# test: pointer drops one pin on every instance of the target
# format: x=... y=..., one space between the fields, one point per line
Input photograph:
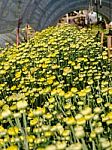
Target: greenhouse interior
x=55 y=74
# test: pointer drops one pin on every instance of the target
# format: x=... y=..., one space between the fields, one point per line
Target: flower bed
x=56 y=93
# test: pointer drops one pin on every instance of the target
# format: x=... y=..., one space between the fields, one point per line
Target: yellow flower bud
x=74 y=89
x=14 y=147
x=88 y=117
x=109 y=115
x=2 y=131
x=13 y=131
x=81 y=121
x=70 y=120
x=66 y=133
x=110 y=91
x=34 y=121
x=93 y=134
x=99 y=100
x=48 y=116
x=30 y=138
x=109 y=122
x=1 y=103
x=18 y=74
x=48 y=133
x=67 y=106
x=51 y=100
x=82 y=93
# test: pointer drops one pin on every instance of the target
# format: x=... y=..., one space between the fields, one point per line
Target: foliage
x=56 y=93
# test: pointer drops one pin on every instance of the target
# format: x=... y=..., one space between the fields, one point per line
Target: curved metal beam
x=41 y=13
x=56 y=9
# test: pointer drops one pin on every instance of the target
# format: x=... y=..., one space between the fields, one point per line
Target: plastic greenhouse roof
x=40 y=14
x=10 y=11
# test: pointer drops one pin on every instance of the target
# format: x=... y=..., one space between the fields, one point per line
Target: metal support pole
x=67 y=18
x=96 y=4
x=102 y=38
x=109 y=43
x=18 y=32
x=27 y=32
x=110 y=9
x=17 y=37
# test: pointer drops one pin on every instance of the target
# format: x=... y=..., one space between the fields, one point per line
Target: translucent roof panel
x=11 y=11
x=42 y=13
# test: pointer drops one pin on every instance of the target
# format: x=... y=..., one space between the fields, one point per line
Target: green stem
x=10 y=121
x=72 y=130
x=84 y=144
x=19 y=125
x=60 y=107
x=93 y=145
x=24 y=121
x=25 y=128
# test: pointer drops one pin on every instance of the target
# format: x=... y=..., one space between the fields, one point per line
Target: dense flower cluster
x=56 y=93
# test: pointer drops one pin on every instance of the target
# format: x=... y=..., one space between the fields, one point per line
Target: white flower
x=76 y=146
x=50 y=147
x=60 y=128
x=96 y=117
x=99 y=130
x=105 y=143
x=45 y=128
x=17 y=115
x=60 y=145
x=6 y=113
x=78 y=116
x=22 y=104
x=79 y=132
x=86 y=111
x=97 y=110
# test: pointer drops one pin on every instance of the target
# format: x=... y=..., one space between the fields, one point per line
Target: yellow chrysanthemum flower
x=14 y=147
x=18 y=75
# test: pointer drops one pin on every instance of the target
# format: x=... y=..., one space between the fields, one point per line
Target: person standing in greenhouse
x=92 y=17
